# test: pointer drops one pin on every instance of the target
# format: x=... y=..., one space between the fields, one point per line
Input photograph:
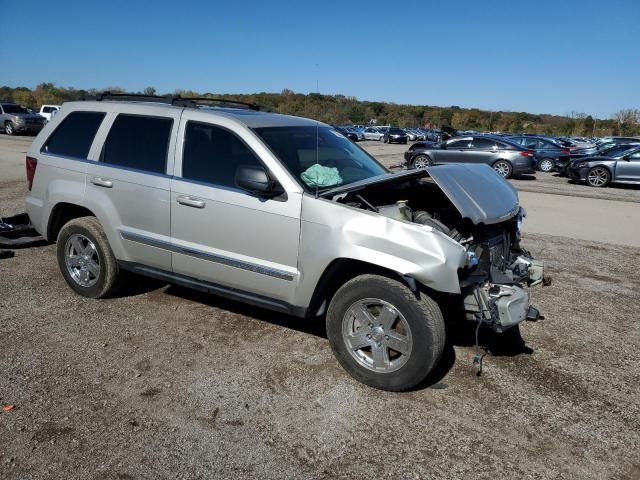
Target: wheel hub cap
x=82 y=260
x=377 y=335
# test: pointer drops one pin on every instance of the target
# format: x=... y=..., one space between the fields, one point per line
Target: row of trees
x=340 y=109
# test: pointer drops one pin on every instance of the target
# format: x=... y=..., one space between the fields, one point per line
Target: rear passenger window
x=74 y=136
x=138 y=142
x=212 y=154
x=459 y=143
x=483 y=143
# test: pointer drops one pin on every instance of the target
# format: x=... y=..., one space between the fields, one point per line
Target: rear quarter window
x=74 y=136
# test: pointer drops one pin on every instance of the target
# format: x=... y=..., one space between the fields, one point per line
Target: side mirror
x=256 y=181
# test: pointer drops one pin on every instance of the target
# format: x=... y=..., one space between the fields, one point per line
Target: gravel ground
x=166 y=383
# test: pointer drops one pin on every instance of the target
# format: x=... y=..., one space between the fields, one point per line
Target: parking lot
x=163 y=382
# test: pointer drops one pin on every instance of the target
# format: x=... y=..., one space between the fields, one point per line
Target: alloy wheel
x=82 y=260
x=598 y=177
x=546 y=165
x=377 y=335
x=421 y=162
x=503 y=168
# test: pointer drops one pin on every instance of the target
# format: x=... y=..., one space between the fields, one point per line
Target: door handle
x=191 y=201
x=102 y=182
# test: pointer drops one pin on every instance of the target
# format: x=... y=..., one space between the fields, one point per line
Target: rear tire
x=383 y=334
x=86 y=260
x=9 y=129
x=504 y=168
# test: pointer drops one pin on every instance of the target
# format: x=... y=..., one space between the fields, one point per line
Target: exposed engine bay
x=497 y=266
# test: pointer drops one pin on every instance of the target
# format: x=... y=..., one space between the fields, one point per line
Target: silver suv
x=284 y=213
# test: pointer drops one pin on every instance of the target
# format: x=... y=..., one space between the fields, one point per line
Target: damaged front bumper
x=504 y=304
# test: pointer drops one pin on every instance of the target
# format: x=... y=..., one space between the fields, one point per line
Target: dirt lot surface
x=163 y=382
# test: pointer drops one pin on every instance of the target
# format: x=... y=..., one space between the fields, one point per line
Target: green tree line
x=340 y=109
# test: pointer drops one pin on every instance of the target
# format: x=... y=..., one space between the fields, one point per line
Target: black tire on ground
x=598 y=177
x=110 y=277
x=405 y=141
x=419 y=159
x=504 y=168
x=9 y=129
x=422 y=315
x=546 y=165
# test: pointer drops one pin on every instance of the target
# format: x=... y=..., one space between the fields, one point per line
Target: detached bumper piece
x=17 y=232
x=500 y=306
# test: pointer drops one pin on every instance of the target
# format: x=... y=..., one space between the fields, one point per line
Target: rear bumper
x=520 y=169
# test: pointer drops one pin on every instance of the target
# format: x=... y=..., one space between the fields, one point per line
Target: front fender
x=332 y=231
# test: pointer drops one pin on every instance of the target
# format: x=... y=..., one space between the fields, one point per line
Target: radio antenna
x=317 y=128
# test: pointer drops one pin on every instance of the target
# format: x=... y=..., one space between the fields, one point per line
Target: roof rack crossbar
x=169 y=99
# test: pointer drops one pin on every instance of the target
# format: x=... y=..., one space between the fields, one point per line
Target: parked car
x=394 y=135
x=359 y=132
x=283 y=213
x=15 y=119
x=372 y=133
x=47 y=111
x=347 y=133
x=411 y=136
x=621 y=165
x=549 y=154
x=505 y=157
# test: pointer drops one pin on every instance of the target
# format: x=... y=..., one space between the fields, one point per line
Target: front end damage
x=492 y=286
x=476 y=208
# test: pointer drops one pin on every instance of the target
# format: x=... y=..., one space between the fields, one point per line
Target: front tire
x=504 y=168
x=86 y=260
x=9 y=129
x=598 y=177
x=383 y=334
x=421 y=161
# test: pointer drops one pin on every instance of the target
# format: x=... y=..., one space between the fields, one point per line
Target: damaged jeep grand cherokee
x=284 y=213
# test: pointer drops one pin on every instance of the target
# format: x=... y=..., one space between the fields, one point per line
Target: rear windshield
x=320 y=158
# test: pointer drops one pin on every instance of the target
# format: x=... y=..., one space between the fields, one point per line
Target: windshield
x=321 y=157
x=617 y=150
x=14 y=109
x=395 y=130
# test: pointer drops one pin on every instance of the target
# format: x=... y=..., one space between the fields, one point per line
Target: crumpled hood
x=477 y=191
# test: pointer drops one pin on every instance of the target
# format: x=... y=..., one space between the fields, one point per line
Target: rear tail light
x=566 y=151
x=32 y=163
x=526 y=153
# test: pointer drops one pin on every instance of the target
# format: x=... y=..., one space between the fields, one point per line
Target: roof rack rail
x=169 y=99
x=196 y=100
x=129 y=97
